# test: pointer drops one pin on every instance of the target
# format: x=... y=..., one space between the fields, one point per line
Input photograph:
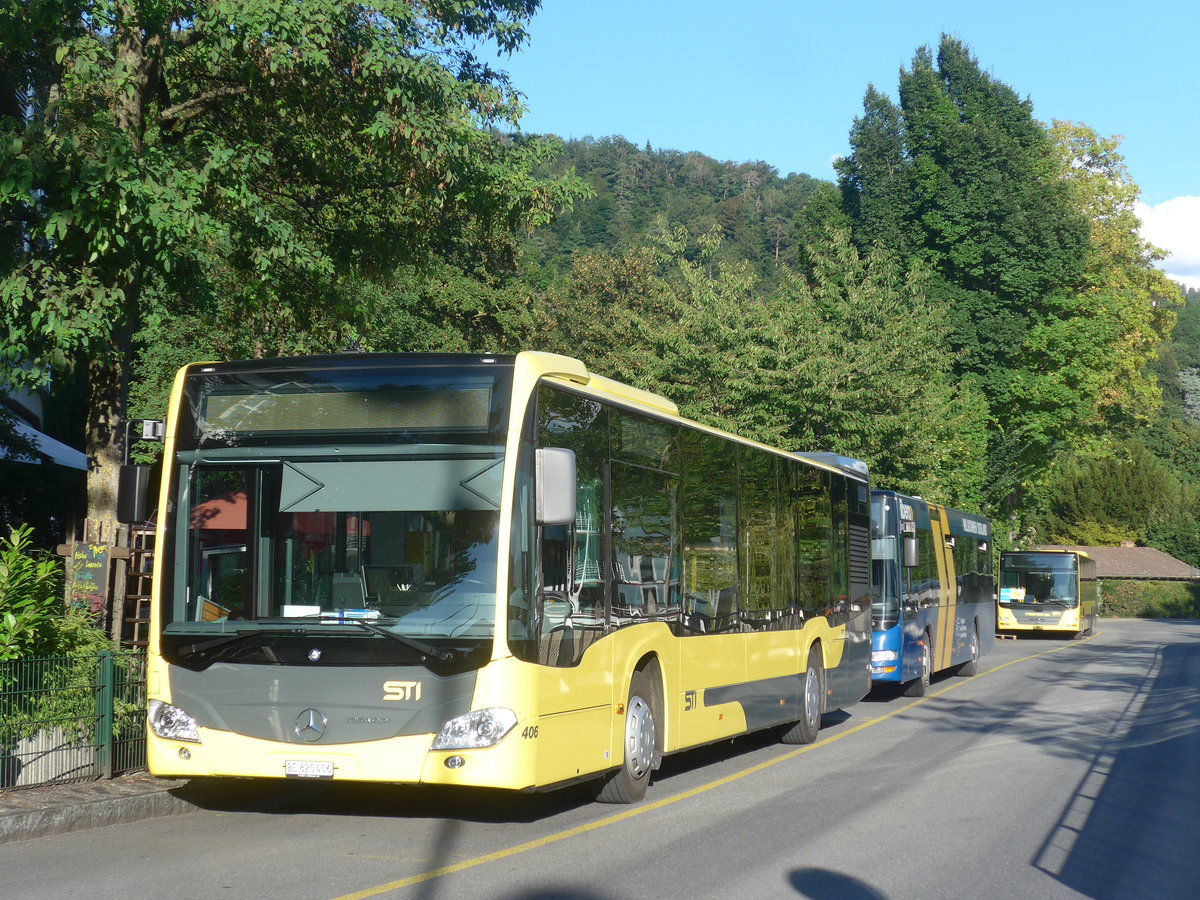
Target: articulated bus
x=932 y=592
x=498 y=571
x=1047 y=590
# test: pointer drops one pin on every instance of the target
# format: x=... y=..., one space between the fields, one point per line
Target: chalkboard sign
x=89 y=577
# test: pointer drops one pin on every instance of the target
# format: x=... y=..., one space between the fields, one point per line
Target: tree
x=1128 y=494
x=962 y=177
x=1186 y=334
x=850 y=359
x=872 y=375
x=1123 y=304
x=250 y=160
x=604 y=311
x=876 y=179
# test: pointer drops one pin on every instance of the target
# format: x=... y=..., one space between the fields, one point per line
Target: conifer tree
x=961 y=177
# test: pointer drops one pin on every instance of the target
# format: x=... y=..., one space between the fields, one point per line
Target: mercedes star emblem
x=310 y=725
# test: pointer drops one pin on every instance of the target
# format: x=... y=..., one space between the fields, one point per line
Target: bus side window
x=814 y=531
x=572 y=596
x=708 y=513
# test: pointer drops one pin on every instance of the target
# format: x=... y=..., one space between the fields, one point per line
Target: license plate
x=308 y=768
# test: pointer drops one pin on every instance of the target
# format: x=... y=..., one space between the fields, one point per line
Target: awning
x=48 y=449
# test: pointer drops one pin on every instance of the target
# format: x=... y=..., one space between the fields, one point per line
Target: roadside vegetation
x=33 y=618
x=1152 y=599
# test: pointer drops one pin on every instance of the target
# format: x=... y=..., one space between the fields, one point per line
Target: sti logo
x=402 y=690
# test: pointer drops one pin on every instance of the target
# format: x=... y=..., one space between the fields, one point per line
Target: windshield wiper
x=230 y=639
x=245 y=635
x=412 y=643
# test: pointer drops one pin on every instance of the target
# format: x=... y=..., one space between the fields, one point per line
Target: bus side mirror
x=134 y=481
x=555 y=486
x=912 y=551
x=133 y=494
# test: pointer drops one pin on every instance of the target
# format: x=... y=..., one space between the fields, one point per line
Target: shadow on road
x=291 y=797
x=1129 y=829
x=823 y=884
x=1077 y=733
x=380 y=800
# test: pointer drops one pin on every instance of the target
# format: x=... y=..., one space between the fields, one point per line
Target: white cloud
x=1174 y=225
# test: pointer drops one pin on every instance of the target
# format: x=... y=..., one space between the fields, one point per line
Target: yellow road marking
x=685 y=795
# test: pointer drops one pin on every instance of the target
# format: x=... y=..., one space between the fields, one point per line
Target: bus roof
x=847 y=464
x=961 y=523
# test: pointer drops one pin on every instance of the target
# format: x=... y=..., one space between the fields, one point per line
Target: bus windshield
x=1039 y=578
x=337 y=499
x=885 y=565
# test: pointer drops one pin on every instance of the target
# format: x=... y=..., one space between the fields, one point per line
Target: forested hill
x=757 y=211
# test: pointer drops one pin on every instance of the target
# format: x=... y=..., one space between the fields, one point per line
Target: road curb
x=34 y=823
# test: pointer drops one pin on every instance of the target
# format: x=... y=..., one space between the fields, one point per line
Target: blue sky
x=782 y=80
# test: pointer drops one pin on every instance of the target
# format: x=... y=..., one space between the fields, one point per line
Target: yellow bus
x=1047 y=590
x=498 y=571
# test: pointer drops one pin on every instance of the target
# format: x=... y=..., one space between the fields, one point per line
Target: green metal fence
x=72 y=718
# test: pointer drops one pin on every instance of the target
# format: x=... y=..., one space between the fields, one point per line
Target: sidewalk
x=58 y=808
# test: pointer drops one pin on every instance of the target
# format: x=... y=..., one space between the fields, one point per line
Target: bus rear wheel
x=628 y=783
x=919 y=685
x=812 y=693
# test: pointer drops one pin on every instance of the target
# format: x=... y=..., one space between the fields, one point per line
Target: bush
x=34 y=620
x=1151 y=599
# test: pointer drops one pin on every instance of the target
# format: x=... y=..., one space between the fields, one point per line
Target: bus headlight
x=474 y=730
x=882 y=656
x=172 y=723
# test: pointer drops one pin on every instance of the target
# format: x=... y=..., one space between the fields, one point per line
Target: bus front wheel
x=919 y=685
x=628 y=783
x=812 y=692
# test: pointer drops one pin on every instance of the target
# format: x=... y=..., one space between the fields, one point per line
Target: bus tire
x=628 y=783
x=812 y=695
x=920 y=685
x=971 y=666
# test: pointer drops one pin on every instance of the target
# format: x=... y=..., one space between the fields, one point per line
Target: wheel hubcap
x=639 y=737
x=812 y=696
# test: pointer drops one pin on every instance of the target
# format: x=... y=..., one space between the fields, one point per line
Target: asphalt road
x=1064 y=769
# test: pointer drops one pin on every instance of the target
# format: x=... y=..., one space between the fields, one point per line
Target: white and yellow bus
x=500 y=571
x=1047 y=590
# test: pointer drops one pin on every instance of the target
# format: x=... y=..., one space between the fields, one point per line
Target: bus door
x=947 y=615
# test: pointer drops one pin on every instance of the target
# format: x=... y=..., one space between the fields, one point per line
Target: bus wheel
x=918 y=686
x=805 y=730
x=628 y=783
x=971 y=666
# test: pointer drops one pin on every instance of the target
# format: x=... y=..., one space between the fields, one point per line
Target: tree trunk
x=108 y=370
x=108 y=390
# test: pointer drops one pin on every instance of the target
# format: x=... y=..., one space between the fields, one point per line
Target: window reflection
x=433 y=569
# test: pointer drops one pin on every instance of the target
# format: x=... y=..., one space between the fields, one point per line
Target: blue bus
x=933 y=591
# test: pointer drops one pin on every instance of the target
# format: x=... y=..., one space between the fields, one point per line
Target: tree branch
x=195 y=106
